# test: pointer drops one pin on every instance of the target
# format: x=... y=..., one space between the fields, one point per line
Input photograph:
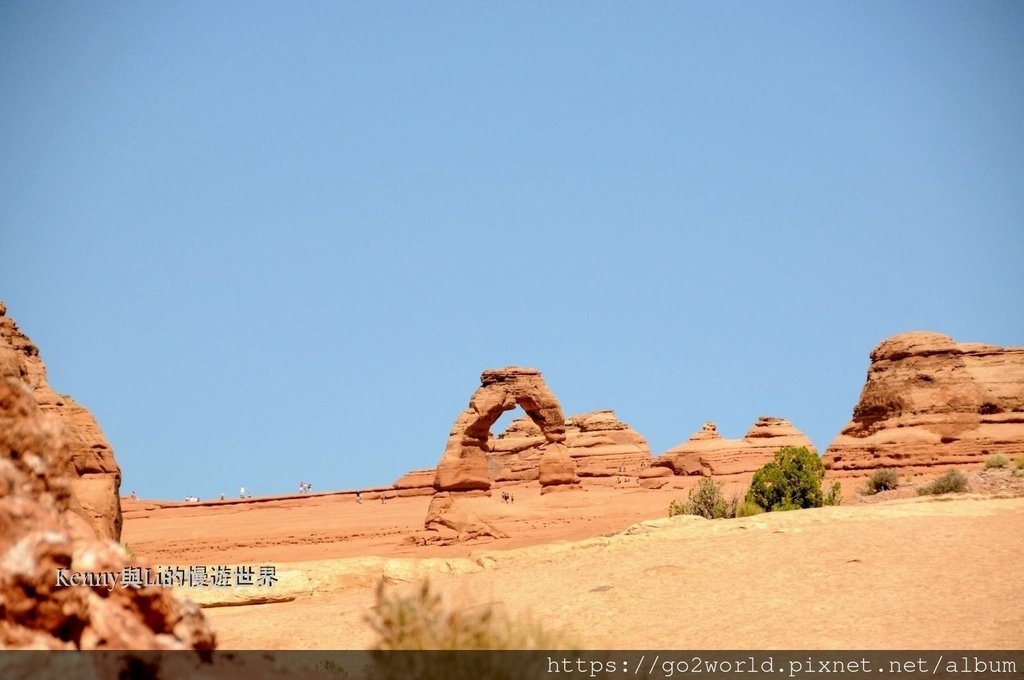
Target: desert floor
x=605 y=568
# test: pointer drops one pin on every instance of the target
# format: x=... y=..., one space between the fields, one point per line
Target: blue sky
x=273 y=242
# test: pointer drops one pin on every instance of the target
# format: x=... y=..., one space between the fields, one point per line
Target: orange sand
x=916 y=573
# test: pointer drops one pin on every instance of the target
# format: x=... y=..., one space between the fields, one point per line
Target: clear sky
x=273 y=242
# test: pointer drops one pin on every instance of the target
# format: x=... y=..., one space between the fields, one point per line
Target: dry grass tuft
x=422 y=620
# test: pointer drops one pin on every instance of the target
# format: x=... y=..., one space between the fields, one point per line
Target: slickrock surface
x=464 y=466
x=41 y=534
x=579 y=564
x=930 y=402
x=97 y=477
x=707 y=453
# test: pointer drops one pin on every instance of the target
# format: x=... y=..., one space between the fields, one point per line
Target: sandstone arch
x=463 y=466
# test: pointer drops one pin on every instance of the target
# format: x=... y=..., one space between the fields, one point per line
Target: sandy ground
x=605 y=568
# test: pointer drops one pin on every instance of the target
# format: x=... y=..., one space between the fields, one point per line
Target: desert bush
x=748 y=509
x=791 y=481
x=953 y=481
x=834 y=495
x=882 y=480
x=421 y=620
x=996 y=460
x=1020 y=463
x=705 y=500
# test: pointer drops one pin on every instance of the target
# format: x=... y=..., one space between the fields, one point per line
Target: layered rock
x=599 y=443
x=930 y=401
x=449 y=522
x=97 y=476
x=654 y=477
x=40 y=534
x=464 y=464
x=707 y=453
x=415 y=483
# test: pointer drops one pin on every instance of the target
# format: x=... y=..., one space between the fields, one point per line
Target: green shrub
x=791 y=481
x=952 y=481
x=1020 y=463
x=834 y=495
x=996 y=460
x=748 y=509
x=882 y=480
x=705 y=500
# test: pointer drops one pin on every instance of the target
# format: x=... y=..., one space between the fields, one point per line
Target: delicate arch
x=463 y=466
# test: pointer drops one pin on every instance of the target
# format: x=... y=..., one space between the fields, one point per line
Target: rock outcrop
x=97 y=477
x=599 y=443
x=464 y=464
x=930 y=401
x=449 y=522
x=707 y=453
x=415 y=483
x=40 y=534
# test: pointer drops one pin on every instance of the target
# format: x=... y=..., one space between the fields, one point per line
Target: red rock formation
x=447 y=522
x=654 y=477
x=930 y=401
x=464 y=465
x=41 y=534
x=706 y=453
x=599 y=443
x=97 y=476
x=415 y=483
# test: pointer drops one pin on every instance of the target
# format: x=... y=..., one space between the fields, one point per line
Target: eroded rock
x=930 y=401
x=449 y=522
x=41 y=533
x=707 y=453
x=96 y=477
x=464 y=464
